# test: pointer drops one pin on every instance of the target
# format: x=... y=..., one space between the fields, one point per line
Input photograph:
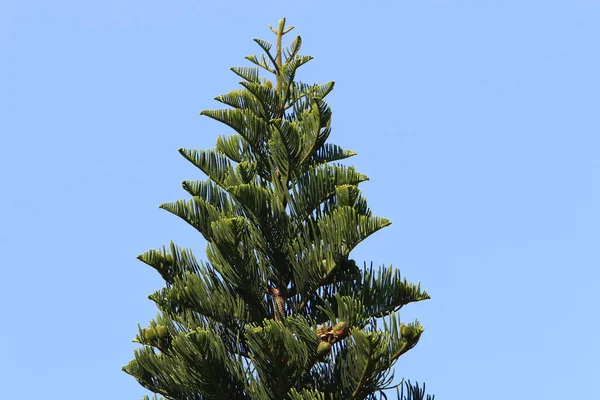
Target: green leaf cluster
x=278 y=310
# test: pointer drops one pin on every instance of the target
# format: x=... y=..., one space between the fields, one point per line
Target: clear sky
x=477 y=121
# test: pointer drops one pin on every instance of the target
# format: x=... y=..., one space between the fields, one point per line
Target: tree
x=279 y=310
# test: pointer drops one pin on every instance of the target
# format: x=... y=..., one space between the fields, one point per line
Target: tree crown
x=279 y=310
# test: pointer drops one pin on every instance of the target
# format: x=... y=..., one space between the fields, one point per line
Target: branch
x=364 y=376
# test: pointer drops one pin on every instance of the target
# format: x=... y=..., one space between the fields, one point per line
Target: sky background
x=477 y=121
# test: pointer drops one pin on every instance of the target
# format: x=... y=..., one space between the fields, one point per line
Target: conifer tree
x=279 y=310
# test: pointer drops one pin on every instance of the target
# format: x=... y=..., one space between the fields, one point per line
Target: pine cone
x=162 y=332
x=323 y=349
x=321 y=332
x=340 y=330
x=407 y=332
x=150 y=334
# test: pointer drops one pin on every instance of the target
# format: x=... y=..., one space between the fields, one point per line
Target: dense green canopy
x=278 y=310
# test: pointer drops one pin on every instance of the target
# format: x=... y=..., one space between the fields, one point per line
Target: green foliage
x=413 y=392
x=279 y=310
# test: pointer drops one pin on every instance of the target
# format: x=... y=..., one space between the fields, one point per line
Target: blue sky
x=477 y=122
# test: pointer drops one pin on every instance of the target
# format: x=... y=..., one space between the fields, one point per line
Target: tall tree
x=279 y=310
